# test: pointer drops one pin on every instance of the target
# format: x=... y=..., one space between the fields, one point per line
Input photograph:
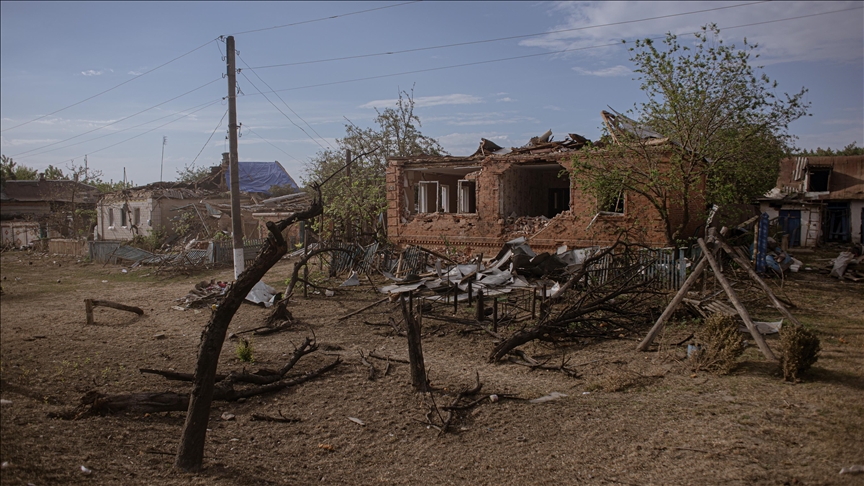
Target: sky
x=114 y=80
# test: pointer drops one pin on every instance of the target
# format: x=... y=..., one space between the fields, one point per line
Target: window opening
x=819 y=180
x=123 y=218
x=614 y=204
x=445 y=198
x=428 y=196
x=110 y=216
x=136 y=218
x=467 y=196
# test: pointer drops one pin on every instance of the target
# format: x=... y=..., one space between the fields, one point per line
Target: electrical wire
x=324 y=18
x=148 y=131
x=273 y=145
x=498 y=39
x=551 y=53
x=109 y=89
x=209 y=138
x=280 y=111
x=117 y=121
x=124 y=130
x=283 y=102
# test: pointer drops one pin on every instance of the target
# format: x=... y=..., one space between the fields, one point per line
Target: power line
x=210 y=138
x=498 y=39
x=271 y=143
x=148 y=131
x=118 y=121
x=325 y=18
x=279 y=110
x=490 y=61
x=283 y=102
x=123 y=130
x=109 y=89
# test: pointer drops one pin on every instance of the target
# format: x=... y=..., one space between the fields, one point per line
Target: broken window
x=110 y=216
x=467 y=196
x=123 y=217
x=439 y=189
x=613 y=204
x=136 y=216
x=539 y=189
x=818 y=180
x=427 y=196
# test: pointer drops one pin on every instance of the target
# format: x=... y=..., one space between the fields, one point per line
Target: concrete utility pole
x=236 y=218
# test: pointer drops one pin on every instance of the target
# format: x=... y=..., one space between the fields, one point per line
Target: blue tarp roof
x=260 y=176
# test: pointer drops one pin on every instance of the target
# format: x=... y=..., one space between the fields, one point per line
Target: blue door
x=790 y=221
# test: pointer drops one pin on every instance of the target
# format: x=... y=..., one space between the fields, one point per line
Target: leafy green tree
x=355 y=199
x=56 y=174
x=851 y=149
x=192 y=173
x=726 y=131
x=9 y=170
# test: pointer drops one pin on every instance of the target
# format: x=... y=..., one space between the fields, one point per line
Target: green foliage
x=799 y=350
x=851 y=149
x=359 y=198
x=721 y=345
x=152 y=241
x=283 y=190
x=182 y=223
x=11 y=171
x=726 y=127
x=244 y=351
x=56 y=174
x=192 y=173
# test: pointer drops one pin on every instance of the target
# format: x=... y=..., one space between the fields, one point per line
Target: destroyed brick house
x=205 y=204
x=496 y=194
x=818 y=200
x=38 y=209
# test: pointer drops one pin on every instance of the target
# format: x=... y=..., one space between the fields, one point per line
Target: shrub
x=799 y=350
x=244 y=351
x=721 y=345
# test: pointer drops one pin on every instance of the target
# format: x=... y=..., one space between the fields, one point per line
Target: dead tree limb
x=415 y=350
x=90 y=304
x=190 y=452
x=368 y=365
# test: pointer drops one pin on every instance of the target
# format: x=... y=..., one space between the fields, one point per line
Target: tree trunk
x=190 y=452
x=415 y=350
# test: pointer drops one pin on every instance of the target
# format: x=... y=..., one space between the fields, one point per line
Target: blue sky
x=54 y=54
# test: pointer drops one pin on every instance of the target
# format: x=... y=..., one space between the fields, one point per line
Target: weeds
x=244 y=351
x=720 y=345
x=799 y=350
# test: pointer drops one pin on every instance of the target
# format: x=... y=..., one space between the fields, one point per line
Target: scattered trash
x=352 y=281
x=521 y=438
x=856 y=469
x=357 y=421
x=764 y=327
x=160 y=335
x=124 y=271
x=3 y=401
x=329 y=293
x=177 y=307
x=326 y=447
x=4 y=465
x=227 y=416
x=104 y=281
x=548 y=398
x=261 y=293
x=86 y=470
x=493 y=398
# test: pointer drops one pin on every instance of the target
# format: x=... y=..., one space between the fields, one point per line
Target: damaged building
x=497 y=194
x=818 y=200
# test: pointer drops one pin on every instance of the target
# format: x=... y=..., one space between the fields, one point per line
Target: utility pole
x=236 y=218
x=162 y=163
x=349 y=230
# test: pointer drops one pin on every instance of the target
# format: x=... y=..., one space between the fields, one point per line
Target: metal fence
x=665 y=267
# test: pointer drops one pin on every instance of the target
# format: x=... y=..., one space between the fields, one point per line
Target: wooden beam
x=742 y=311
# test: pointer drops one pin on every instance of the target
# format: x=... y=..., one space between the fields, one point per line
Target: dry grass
x=799 y=350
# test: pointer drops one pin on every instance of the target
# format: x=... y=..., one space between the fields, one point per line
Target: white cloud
x=618 y=70
x=553 y=108
x=91 y=72
x=17 y=142
x=506 y=99
x=424 y=101
x=135 y=73
x=836 y=36
x=478 y=119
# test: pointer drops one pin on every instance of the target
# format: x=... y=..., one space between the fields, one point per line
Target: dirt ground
x=628 y=418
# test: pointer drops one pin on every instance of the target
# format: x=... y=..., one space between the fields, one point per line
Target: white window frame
x=425 y=188
x=463 y=203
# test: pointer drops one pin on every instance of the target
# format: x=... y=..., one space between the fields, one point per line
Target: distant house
x=122 y=215
x=818 y=200
x=48 y=203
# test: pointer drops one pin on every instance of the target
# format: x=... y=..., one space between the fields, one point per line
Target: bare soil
x=628 y=418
